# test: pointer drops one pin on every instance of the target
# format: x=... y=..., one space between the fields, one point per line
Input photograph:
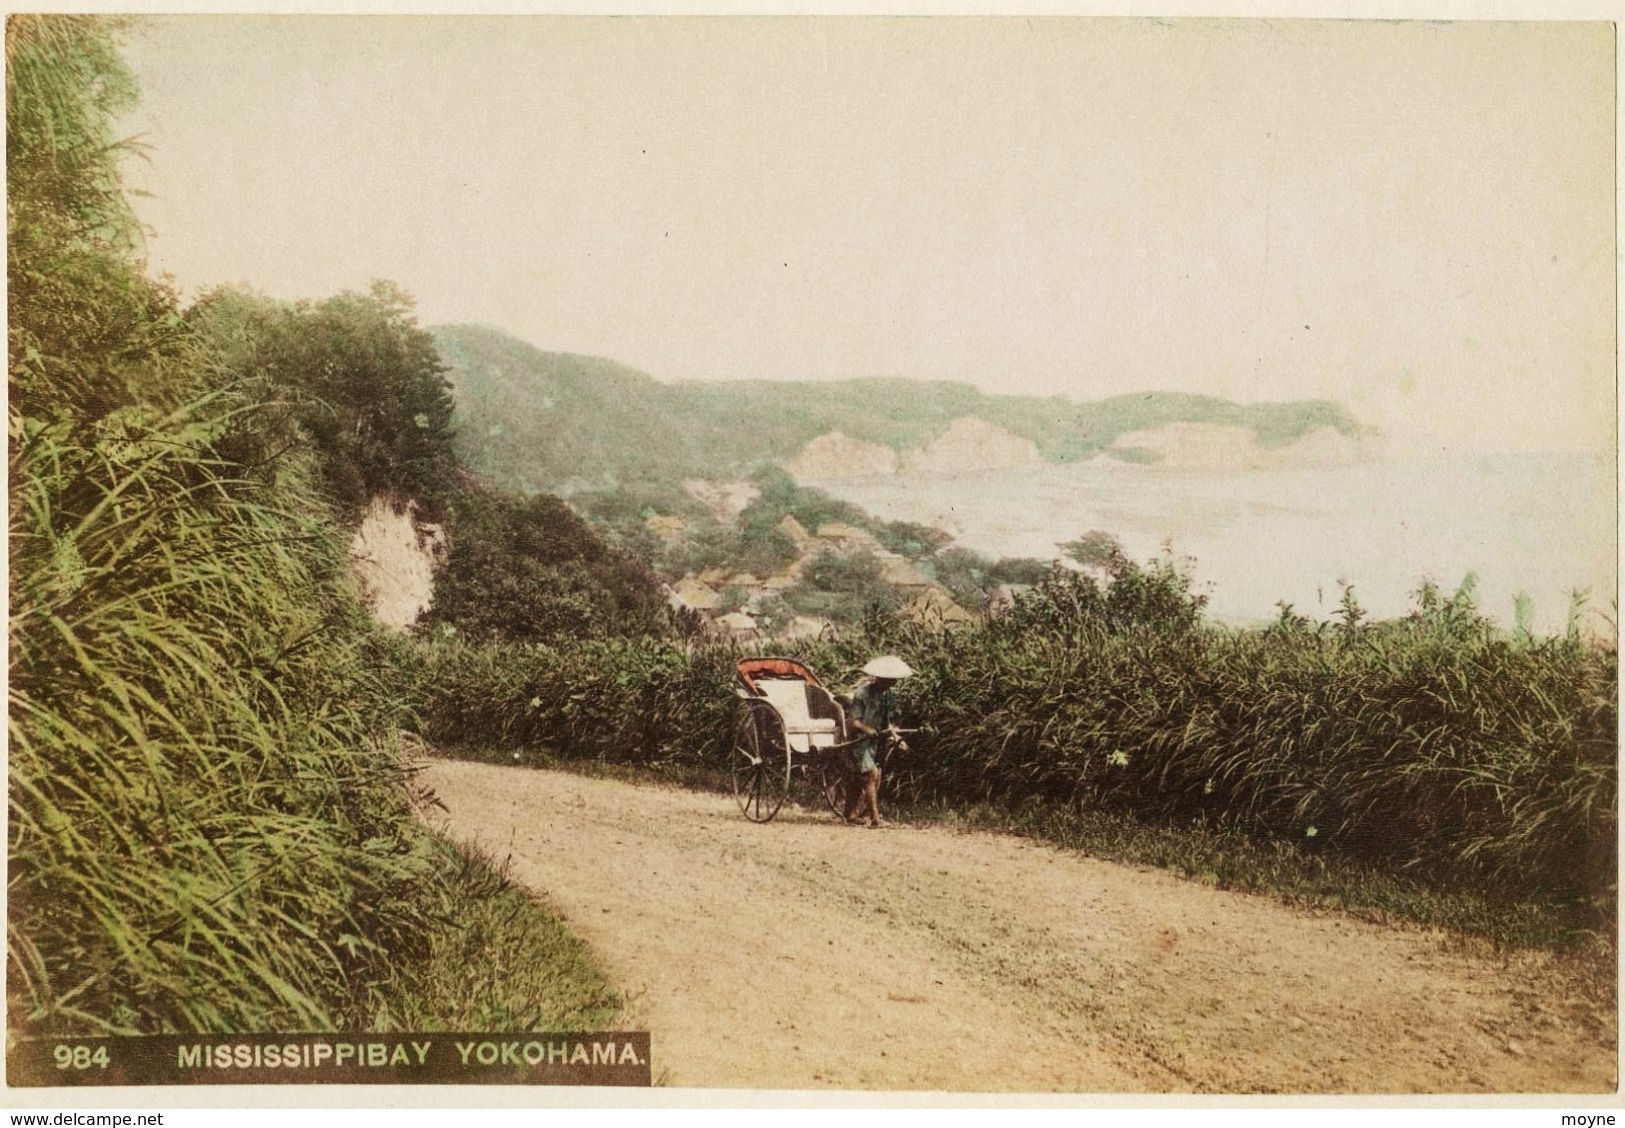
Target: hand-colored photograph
x=813 y=554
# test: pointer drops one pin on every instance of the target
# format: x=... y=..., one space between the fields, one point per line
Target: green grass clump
x=207 y=820
x=494 y=959
x=641 y=701
x=210 y=827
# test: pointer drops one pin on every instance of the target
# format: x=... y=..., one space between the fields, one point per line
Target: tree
x=1155 y=596
x=529 y=570
x=1018 y=570
x=1097 y=549
x=365 y=382
x=911 y=539
x=965 y=574
x=843 y=587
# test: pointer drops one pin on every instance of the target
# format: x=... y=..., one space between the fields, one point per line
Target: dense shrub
x=529 y=570
x=910 y=538
x=1130 y=598
x=611 y=701
x=1427 y=745
x=1489 y=759
x=843 y=587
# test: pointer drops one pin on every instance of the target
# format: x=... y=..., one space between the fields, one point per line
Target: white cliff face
x=835 y=455
x=968 y=444
x=395 y=557
x=1213 y=446
x=972 y=444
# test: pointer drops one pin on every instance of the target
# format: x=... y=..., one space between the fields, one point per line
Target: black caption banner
x=619 y=1058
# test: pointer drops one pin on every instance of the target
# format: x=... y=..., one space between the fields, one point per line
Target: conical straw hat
x=888 y=666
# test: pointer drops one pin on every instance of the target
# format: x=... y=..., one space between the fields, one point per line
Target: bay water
x=1540 y=526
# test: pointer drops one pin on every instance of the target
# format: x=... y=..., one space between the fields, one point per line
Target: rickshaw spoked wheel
x=761 y=765
x=835 y=780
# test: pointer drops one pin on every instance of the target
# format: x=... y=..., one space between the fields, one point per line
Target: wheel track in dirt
x=805 y=954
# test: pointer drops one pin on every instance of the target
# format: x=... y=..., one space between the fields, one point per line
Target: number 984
x=79 y=1057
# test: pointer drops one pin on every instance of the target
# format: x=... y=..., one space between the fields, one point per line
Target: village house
x=934 y=607
x=694 y=595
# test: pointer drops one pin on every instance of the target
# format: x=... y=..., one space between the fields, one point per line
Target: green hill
x=541 y=420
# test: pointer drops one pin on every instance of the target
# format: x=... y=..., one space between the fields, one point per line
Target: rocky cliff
x=834 y=455
x=968 y=444
x=395 y=556
x=971 y=444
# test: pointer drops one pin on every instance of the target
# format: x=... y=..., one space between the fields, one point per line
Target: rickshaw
x=790 y=728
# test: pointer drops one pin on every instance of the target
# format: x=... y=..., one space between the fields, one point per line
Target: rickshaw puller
x=871 y=715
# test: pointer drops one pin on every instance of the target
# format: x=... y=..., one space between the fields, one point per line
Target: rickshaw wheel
x=761 y=766
x=834 y=782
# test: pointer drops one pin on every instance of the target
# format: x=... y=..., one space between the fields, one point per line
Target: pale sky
x=1414 y=219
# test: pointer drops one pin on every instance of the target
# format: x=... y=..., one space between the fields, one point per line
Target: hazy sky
x=1414 y=219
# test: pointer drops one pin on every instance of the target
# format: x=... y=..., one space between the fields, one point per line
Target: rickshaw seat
x=789 y=697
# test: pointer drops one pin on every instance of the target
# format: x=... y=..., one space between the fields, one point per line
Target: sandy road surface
x=980 y=962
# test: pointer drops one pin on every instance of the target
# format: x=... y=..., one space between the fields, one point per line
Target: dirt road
x=805 y=954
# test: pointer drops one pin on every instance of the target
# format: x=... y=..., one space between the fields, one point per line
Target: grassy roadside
x=493 y=958
x=1227 y=859
x=1582 y=938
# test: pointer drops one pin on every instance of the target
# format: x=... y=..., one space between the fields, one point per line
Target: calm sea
x=1541 y=525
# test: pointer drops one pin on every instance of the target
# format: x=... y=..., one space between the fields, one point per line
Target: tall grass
x=209 y=828
x=490 y=959
x=1479 y=758
x=210 y=825
x=614 y=701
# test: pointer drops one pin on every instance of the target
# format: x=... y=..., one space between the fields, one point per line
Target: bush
x=1424 y=746
x=1023 y=570
x=1155 y=596
x=1489 y=760
x=529 y=570
x=910 y=539
x=610 y=701
x=363 y=381
x=965 y=574
x=843 y=587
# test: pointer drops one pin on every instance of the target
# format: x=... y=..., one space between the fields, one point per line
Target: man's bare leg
x=854 y=794
x=873 y=789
